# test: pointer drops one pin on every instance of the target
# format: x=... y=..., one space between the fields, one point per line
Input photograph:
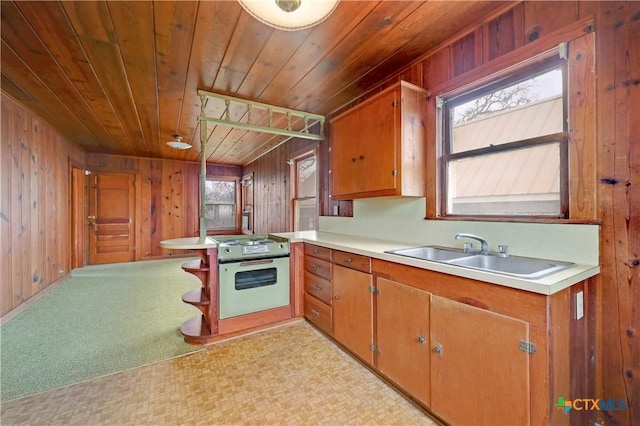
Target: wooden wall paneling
x=464 y=53
x=618 y=29
x=582 y=167
x=7 y=117
x=192 y=199
x=30 y=135
x=35 y=213
x=543 y=18
x=155 y=224
x=503 y=34
x=33 y=216
x=18 y=247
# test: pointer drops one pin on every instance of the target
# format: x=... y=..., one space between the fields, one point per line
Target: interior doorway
x=111 y=218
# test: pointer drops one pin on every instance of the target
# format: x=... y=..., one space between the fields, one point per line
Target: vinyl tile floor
x=288 y=375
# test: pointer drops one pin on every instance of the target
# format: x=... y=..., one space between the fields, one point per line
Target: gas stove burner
x=233 y=247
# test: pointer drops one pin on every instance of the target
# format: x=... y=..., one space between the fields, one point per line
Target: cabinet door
x=478 y=373
x=352 y=311
x=377 y=158
x=403 y=336
x=345 y=138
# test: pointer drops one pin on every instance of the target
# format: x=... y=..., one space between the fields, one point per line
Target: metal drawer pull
x=438 y=349
x=316 y=288
x=348 y=260
x=420 y=339
x=313 y=311
x=314 y=266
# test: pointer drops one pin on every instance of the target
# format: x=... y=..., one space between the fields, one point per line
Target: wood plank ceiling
x=121 y=77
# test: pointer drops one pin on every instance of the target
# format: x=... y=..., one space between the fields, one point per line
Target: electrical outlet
x=579 y=305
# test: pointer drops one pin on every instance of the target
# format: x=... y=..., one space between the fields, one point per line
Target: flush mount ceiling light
x=289 y=15
x=178 y=143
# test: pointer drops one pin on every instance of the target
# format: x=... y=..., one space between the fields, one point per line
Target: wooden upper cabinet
x=378 y=147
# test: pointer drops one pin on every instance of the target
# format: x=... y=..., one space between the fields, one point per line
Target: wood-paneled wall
x=271 y=186
x=34 y=205
x=170 y=197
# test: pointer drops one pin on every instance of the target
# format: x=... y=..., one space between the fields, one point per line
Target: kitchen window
x=221 y=204
x=304 y=191
x=505 y=146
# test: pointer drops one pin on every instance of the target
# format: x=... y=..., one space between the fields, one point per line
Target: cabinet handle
x=313 y=311
x=316 y=288
x=336 y=297
x=314 y=266
x=420 y=339
x=437 y=349
x=315 y=250
x=362 y=157
x=348 y=260
x=353 y=160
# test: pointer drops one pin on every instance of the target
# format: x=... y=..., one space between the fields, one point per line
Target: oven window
x=257 y=278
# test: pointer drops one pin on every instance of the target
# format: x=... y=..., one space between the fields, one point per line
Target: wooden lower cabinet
x=471 y=352
x=479 y=375
x=402 y=338
x=353 y=311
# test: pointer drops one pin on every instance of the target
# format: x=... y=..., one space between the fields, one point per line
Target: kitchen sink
x=434 y=253
x=521 y=267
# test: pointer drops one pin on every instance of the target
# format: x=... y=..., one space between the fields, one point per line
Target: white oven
x=252 y=277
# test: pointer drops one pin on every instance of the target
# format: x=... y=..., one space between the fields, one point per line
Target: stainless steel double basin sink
x=516 y=266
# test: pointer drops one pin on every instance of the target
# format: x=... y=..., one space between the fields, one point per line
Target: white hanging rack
x=281 y=121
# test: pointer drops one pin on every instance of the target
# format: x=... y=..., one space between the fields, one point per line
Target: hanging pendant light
x=177 y=143
x=289 y=15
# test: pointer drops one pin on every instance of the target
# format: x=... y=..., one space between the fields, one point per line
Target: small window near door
x=305 y=192
x=221 y=204
x=505 y=146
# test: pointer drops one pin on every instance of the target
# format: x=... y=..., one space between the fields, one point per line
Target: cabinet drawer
x=318 y=287
x=318 y=313
x=353 y=261
x=317 y=251
x=319 y=267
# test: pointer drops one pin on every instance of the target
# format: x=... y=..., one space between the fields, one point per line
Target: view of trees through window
x=503 y=145
x=220 y=204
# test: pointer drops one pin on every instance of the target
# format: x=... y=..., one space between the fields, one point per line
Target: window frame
x=519 y=73
x=293 y=160
x=236 y=229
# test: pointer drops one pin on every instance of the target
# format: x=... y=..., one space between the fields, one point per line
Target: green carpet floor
x=103 y=319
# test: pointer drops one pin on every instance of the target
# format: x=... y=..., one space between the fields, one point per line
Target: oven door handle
x=256 y=262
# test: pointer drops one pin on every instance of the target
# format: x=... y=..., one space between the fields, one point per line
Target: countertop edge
x=376 y=248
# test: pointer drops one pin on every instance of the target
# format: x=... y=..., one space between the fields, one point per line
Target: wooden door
x=479 y=375
x=353 y=311
x=111 y=217
x=402 y=336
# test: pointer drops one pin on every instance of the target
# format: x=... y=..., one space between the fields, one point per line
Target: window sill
x=513 y=219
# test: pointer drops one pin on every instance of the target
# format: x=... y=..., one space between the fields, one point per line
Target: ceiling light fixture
x=177 y=143
x=289 y=15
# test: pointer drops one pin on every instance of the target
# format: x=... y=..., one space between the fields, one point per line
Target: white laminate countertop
x=188 y=243
x=376 y=248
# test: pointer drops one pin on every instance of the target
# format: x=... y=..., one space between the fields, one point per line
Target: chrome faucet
x=484 y=245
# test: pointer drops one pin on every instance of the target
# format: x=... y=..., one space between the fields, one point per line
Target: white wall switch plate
x=579 y=305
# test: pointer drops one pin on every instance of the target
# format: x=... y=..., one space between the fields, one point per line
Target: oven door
x=252 y=286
